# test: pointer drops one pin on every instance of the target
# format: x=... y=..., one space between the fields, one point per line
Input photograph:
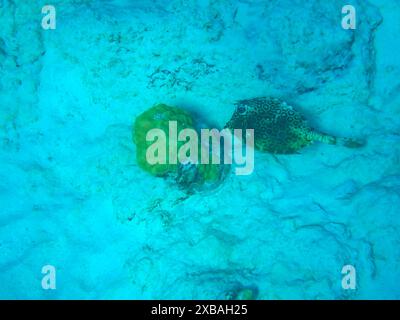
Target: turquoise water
x=73 y=196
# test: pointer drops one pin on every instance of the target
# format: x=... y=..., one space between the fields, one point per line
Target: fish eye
x=241 y=109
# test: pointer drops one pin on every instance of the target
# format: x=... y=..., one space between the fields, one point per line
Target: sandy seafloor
x=73 y=196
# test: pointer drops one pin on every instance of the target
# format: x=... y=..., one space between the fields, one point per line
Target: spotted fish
x=278 y=127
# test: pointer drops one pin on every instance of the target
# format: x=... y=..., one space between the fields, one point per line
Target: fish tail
x=329 y=139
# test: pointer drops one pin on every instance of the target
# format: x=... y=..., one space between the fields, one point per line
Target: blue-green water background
x=72 y=195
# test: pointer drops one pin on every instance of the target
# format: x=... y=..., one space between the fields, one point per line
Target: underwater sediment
x=74 y=195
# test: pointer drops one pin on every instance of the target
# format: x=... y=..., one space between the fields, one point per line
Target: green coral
x=158 y=117
x=209 y=172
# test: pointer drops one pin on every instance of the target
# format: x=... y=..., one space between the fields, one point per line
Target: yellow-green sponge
x=158 y=117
